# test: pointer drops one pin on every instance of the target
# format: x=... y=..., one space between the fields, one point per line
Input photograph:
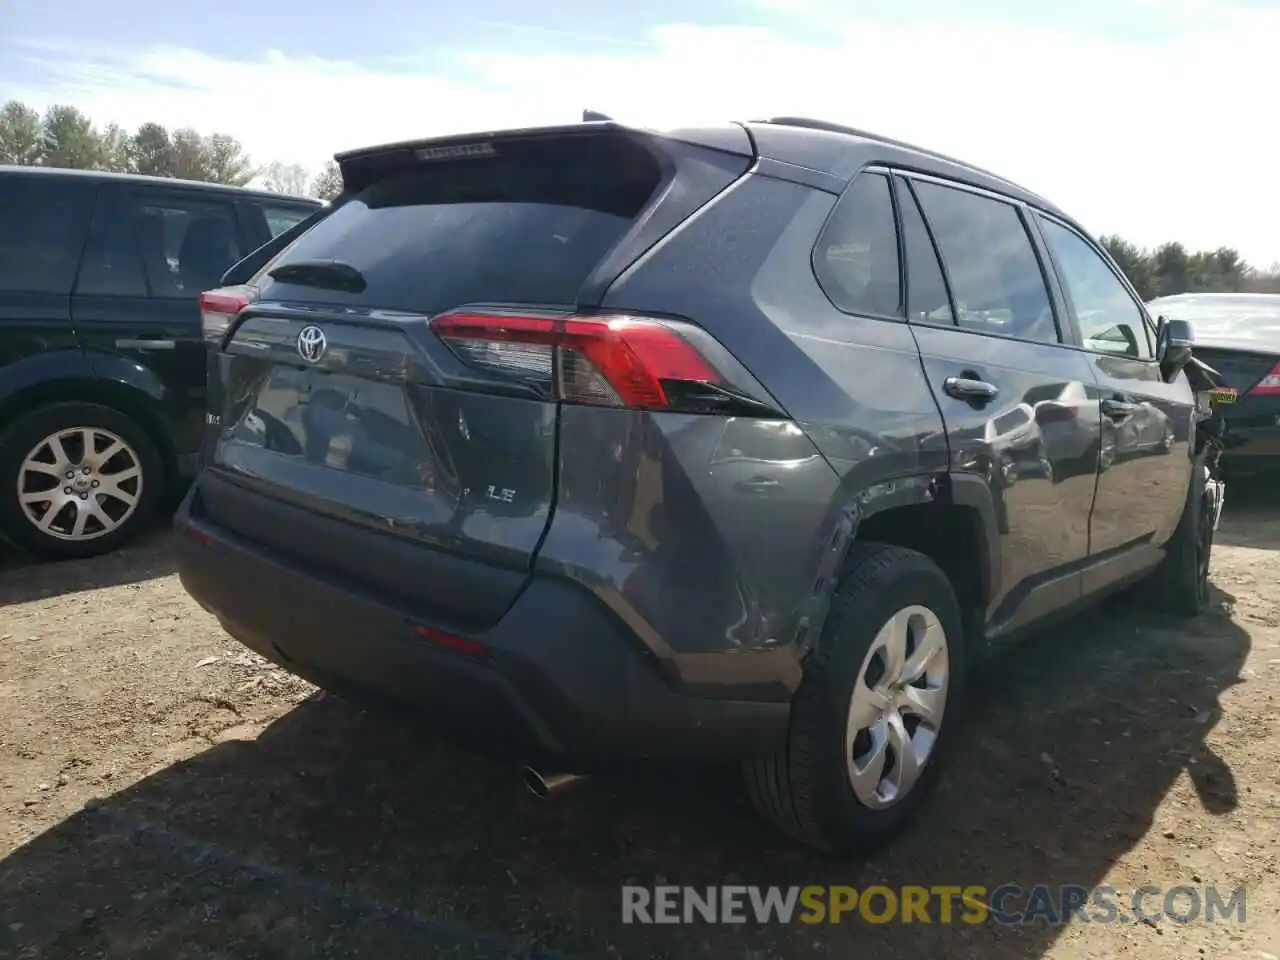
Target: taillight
x=219 y=307
x=1268 y=385
x=616 y=361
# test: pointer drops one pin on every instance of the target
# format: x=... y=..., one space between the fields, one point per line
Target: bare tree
x=328 y=184
x=289 y=178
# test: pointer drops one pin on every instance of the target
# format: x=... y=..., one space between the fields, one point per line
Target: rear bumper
x=559 y=678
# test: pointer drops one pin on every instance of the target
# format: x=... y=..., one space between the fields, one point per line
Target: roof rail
x=808 y=123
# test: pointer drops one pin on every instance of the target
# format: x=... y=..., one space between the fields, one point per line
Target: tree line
x=1171 y=268
x=64 y=137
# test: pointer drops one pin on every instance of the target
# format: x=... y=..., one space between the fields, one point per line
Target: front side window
x=995 y=275
x=856 y=257
x=1110 y=320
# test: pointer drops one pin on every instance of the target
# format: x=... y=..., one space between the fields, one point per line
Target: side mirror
x=1174 y=341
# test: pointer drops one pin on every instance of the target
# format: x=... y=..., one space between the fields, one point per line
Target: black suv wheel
x=875 y=711
x=76 y=480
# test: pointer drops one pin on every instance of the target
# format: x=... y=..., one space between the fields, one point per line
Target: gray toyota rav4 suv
x=741 y=443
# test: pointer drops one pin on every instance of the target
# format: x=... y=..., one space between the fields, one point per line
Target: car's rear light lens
x=616 y=361
x=219 y=307
x=1268 y=385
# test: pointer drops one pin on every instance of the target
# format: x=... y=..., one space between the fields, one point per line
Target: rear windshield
x=434 y=238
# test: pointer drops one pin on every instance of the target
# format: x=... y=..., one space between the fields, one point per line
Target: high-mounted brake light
x=616 y=361
x=219 y=307
x=1268 y=386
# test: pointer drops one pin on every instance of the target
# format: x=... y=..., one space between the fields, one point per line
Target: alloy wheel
x=80 y=483
x=897 y=706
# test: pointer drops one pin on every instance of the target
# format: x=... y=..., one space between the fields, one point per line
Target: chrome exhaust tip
x=543 y=785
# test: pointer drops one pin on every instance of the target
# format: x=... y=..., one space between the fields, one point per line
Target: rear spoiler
x=366 y=165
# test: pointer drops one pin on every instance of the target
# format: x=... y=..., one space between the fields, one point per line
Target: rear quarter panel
x=699 y=551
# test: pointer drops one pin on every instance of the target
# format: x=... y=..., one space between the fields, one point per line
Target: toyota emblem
x=312 y=344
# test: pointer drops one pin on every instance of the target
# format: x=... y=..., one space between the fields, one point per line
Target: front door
x=149 y=256
x=1005 y=385
x=1148 y=424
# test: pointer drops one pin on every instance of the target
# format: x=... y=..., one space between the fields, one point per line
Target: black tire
x=21 y=437
x=1179 y=586
x=804 y=789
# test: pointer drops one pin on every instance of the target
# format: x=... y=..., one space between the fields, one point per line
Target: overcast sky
x=1154 y=119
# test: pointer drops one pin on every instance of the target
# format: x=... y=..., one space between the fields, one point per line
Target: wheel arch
x=950 y=518
x=85 y=388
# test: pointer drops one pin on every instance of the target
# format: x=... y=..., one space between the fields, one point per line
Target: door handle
x=146 y=344
x=966 y=388
x=1118 y=408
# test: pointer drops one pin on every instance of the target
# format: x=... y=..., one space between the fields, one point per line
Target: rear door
x=344 y=403
x=150 y=253
x=991 y=351
x=1142 y=491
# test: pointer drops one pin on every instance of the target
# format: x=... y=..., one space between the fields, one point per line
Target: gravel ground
x=163 y=793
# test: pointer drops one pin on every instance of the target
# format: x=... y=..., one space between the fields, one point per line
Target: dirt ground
x=165 y=794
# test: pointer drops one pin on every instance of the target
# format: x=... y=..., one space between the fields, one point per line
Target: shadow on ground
x=1251 y=515
x=336 y=834
x=24 y=578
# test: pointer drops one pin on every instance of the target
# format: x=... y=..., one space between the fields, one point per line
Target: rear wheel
x=76 y=480
x=875 y=711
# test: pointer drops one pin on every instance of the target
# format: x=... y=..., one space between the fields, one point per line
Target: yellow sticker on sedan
x=1223 y=395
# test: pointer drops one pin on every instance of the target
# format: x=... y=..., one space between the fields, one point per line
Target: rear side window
x=927 y=300
x=281 y=218
x=112 y=266
x=43 y=221
x=433 y=238
x=995 y=274
x=856 y=258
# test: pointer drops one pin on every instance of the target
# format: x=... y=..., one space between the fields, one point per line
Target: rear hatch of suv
x=391 y=380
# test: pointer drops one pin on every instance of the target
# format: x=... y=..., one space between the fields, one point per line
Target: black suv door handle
x=965 y=388
x=1118 y=408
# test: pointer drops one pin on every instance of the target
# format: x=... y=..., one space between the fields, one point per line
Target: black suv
x=102 y=364
x=595 y=443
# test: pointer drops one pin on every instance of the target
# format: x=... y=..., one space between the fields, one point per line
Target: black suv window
x=995 y=274
x=43 y=219
x=856 y=258
x=927 y=300
x=186 y=244
x=1110 y=320
x=280 y=217
x=112 y=266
